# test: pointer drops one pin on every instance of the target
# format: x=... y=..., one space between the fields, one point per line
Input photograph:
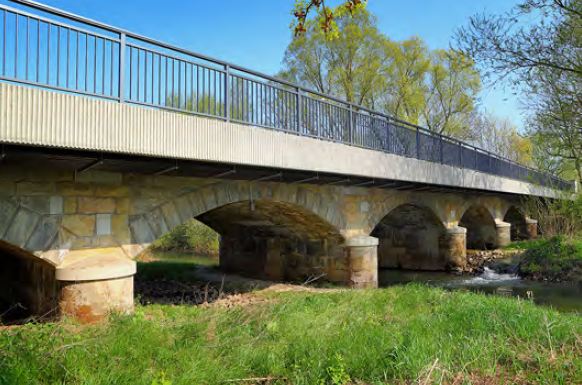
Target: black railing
x=50 y=48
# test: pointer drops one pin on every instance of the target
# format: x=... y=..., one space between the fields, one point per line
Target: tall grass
x=396 y=335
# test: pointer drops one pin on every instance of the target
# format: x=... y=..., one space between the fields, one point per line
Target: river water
x=561 y=296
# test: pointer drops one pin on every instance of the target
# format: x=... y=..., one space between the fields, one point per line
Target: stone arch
x=518 y=220
x=481 y=227
x=266 y=231
x=161 y=219
x=388 y=204
x=412 y=236
x=28 y=287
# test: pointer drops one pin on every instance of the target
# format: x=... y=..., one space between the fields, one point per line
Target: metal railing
x=51 y=48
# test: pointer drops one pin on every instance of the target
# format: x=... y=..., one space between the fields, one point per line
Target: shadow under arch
x=481 y=228
x=411 y=236
x=28 y=287
x=517 y=219
x=276 y=240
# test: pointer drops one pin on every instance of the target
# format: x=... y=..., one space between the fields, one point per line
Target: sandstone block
x=70 y=205
x=44 y=234
x=7 y=210
x=111 y=191
x=120 y=228
x=90 y=205
x=81 y=225
x=74 y=189
x=140 y=230
x=122 y=206
x=35 y=188
x=21 y=227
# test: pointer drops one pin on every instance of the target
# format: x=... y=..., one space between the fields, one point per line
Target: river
x=563 y=296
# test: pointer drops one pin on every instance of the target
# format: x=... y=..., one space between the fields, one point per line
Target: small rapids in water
x=489 y=276
x=563 y=296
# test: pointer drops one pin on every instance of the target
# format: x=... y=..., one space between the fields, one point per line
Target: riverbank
x=556 y=259
x=287 y=334
x=292 y=334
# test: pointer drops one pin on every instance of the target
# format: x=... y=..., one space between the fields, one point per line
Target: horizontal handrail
x=132 y=68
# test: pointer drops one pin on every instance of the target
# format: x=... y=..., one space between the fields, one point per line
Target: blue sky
x=255 y=33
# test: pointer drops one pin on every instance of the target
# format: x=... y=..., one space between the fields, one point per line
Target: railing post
x=475 y=162
x=122 y=45
x=298 y=109
x=351 y=125
x=460 y=154
x=388 y=141
x=227 y=100
x=441 y=149
x=417 y=143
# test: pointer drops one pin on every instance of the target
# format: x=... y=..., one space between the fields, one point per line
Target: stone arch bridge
x=74 y=241
x=109 y=139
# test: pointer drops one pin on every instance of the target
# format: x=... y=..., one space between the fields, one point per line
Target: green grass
x=524 y=245
x=174 y=265
x=383 y=336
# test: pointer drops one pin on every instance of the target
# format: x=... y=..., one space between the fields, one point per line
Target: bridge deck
x=135 y=95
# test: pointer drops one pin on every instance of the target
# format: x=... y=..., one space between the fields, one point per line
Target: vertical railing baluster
x=351 y=124
x=138 y=74
x=121 y=76
x=68 y=57
x=475 y=152
x=86 y=61
x=417 y=143
x=4 y=45
x=298 y=109
x=227 y=96
x=38 y=52
x=16 y=47
x=27 y=61
x=58 y=56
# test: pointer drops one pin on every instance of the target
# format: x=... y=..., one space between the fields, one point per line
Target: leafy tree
x=453 y=86
x=325 y=17
x=404 y=89
x=500 y=137
x=404 y=79
x=348 y=66
x=542 y=59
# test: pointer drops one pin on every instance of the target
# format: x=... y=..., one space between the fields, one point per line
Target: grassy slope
x=377 y=336
x=556 y=258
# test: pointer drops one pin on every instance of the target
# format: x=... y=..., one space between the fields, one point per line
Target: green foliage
x=535 y=48
x=404 y=79
x=384 y=336
x=557 y=217
x=337 y=372
x=192 y=236
x=554 y=259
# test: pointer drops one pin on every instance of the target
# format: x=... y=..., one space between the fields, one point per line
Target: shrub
x=554 y=259
x=557 y=217
x=192 y=236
